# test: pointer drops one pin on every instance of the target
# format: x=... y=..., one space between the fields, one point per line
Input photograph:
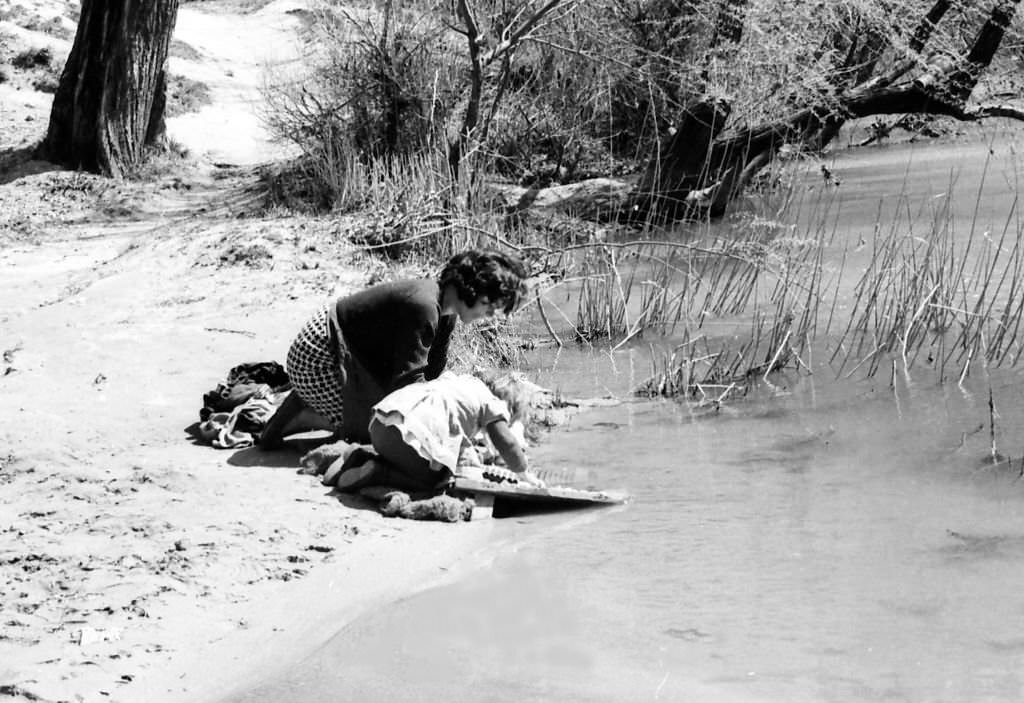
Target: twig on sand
x=245 y=333
x=992 y=424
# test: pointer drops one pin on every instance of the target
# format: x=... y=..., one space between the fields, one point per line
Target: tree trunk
x=110 y=100
x=684 y=165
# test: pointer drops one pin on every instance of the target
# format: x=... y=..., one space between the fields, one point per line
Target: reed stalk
x=927 y=295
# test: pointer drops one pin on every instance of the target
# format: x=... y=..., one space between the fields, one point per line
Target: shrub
x=185 y=95
x=46 y=84
x=374 y=88
x=32 y=58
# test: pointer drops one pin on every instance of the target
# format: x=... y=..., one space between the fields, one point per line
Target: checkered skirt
x=314 y=370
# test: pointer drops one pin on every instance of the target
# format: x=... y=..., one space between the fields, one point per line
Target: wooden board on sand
x=552 y=495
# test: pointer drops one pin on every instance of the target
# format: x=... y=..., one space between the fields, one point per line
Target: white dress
x=439 y=418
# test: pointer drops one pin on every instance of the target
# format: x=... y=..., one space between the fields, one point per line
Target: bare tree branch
x=479 y=61
x=457 y=147
x=928 y=24
x=511 y=41
x=922 y=34
x=985 y=111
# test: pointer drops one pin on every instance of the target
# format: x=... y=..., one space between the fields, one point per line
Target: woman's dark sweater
x=396 y=331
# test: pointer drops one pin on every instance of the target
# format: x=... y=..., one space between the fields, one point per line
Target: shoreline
x=295 y=620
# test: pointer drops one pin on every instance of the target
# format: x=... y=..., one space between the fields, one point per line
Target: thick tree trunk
x=110 y=101
x=685 y=164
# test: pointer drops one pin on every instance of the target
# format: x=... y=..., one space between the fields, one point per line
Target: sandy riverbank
x=134 y=564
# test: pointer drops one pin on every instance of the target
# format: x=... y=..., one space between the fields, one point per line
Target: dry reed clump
x=403 y=202
x=929 y=297
x=765 y=287
x=783 y=316
x=709 y=373
x=371 y=84
x=366 y=109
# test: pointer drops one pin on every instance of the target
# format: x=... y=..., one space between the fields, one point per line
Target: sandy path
x=236 y=54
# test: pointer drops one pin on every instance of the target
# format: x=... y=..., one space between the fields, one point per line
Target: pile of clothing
x=238 y=408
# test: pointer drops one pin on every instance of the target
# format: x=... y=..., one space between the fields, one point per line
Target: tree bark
x=685 y=165
x=110 y=101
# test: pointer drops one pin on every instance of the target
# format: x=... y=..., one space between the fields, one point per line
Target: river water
x=823 y=539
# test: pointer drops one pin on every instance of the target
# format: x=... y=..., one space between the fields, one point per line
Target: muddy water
x=821 y=540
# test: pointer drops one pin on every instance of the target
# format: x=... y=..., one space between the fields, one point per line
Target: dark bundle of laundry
x=242 y=383
x=236 y=411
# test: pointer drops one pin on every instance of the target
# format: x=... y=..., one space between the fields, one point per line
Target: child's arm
x=511 y=452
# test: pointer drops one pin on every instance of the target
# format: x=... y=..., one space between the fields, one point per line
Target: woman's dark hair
x=475 y=274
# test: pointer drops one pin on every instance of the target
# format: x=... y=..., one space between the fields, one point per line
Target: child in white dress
x=424 y=431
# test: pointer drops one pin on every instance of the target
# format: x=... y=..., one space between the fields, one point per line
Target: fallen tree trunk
x=596 y=199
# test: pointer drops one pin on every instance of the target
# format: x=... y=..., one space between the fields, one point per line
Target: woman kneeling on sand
x=424 y=432
x=352 y=353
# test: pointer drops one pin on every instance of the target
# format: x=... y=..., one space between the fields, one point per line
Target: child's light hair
x=513 y=388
